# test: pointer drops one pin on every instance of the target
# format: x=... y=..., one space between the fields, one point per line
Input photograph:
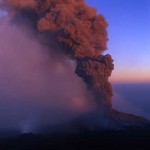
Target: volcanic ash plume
x=95 y=71
x=81 y=34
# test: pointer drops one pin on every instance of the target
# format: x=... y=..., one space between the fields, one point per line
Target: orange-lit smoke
x=80 y=33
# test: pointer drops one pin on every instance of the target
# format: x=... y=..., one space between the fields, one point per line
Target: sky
x=129 y=37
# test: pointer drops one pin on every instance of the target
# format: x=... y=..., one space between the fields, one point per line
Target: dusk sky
x=129 y=37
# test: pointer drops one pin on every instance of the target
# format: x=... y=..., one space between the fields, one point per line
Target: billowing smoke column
x=95 y=72
x=81 y=34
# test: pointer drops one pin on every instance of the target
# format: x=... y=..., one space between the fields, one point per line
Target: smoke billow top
x=73 y=28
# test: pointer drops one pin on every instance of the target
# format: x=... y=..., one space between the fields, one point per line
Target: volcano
x=81 y=34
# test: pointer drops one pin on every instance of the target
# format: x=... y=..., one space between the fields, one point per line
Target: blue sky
x=129 y=37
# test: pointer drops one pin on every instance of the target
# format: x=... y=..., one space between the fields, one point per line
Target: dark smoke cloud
x=78 y=27
x=81 y=33
x=67 y=27
x=95 y=71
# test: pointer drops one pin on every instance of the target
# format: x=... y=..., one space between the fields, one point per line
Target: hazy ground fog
x=133 y=98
